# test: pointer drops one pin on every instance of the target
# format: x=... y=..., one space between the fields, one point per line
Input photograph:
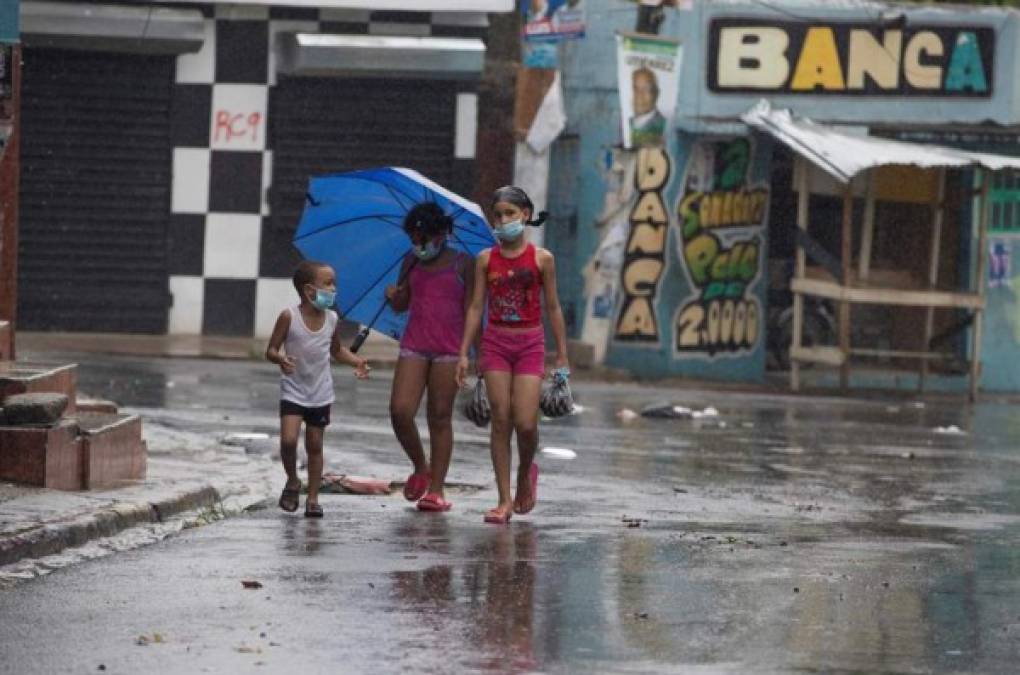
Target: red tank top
x=515 y=289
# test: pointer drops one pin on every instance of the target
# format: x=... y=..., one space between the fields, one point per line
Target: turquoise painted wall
x=9 y=20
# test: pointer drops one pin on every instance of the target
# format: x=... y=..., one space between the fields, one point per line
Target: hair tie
x=542 y=217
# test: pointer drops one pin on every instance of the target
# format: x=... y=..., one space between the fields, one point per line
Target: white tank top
x=311 y=383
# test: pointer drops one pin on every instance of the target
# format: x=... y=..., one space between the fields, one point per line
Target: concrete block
x=113 y=449
x=44 y=408
x=18 y=377
x=42 y=456
x=96 y=405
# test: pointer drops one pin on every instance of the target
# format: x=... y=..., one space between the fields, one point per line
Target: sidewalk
x=378 y=349
x=41 y=529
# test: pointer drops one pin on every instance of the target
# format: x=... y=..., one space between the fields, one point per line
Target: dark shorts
x=313 y=417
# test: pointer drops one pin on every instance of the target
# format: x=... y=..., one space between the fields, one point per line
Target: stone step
x=112 y=449
x=43 y=456
x=24 y=377
x=94 y=450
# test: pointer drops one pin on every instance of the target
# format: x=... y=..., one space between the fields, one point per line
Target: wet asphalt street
x=786 y=534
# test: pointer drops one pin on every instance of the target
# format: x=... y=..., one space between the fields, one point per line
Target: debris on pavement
x=951 y=429
x=560 y=453
x=144 y=640
x=244 y=439
x=341 y=483
x=248 y=583
x=666 y=411
x=626 y=414
x=677 y=412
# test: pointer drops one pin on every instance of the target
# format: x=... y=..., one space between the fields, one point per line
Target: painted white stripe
x=467 y=126
x=186 y=313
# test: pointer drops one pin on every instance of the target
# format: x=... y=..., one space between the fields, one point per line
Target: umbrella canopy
x=354 y=222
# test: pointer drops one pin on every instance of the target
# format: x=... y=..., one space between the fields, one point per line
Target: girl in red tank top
x=511 y=280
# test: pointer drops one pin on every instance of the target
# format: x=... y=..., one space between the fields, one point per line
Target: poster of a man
x=647 y=124
x=648 y=71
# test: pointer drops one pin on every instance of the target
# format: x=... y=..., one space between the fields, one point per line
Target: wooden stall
x=851 y=160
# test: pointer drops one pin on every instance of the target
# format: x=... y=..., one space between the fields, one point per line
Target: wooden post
x=868 y=231
x=938 y=211
x=801 y=176
x=982 y=261
x=846 y=256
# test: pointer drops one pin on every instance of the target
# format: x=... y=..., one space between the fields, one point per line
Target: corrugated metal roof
x=844 y=155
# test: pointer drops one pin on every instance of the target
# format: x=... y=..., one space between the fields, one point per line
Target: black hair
x=304 y=273
x=429 y=219
x=511 y=194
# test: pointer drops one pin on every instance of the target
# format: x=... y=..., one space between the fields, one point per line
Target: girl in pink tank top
x=437 y=286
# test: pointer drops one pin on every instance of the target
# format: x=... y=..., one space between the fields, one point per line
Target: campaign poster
x=552 y=20
x=649 y=77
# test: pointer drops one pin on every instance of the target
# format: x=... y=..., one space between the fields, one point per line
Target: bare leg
x=290 y=428
x=527 y=389
x=497 y=385
x=409 y=380
x=313 y=446
x=442 y=392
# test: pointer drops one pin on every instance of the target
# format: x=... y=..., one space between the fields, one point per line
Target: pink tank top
x=436 y=321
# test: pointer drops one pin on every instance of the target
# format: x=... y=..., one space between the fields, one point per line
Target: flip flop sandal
x=289 y=499
x=433 y=502
x=416 y=486
x=498 y=516
x=313 y=511
x=533 y=480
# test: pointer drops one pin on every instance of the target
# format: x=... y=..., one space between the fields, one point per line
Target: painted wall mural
x=720 y=215
x=645 y=254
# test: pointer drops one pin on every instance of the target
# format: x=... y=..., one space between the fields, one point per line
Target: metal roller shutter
x=95 y=191
x=326 y=125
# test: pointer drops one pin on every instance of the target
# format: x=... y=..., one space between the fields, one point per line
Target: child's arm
x=342 y=354
x=399 y=296
x=473 y=319
x=469 y=292
x=273 y=354
x=547 y=265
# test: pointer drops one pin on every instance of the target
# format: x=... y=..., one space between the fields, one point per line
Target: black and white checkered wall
x=228 y=275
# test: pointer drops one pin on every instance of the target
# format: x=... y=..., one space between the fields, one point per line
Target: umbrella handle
x=362 y=335
x=359 y=339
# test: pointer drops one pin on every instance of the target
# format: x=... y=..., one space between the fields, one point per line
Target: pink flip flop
x=433 y=502
x=533 y=480
x=417 y=485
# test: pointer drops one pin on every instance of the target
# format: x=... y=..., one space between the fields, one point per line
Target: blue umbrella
x=354 y=222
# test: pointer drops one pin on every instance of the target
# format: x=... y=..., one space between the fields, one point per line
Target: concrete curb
x=50 y=538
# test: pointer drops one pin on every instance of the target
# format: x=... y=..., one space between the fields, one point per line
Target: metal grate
x=95 y=191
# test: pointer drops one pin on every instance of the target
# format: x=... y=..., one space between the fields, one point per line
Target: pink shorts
x=513 y=351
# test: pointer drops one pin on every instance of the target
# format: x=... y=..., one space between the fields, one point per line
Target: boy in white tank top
x=303 y=339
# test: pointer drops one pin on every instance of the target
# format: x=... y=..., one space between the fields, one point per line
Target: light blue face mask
x=510 y=231
x=431 y=250
x=323 y=300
